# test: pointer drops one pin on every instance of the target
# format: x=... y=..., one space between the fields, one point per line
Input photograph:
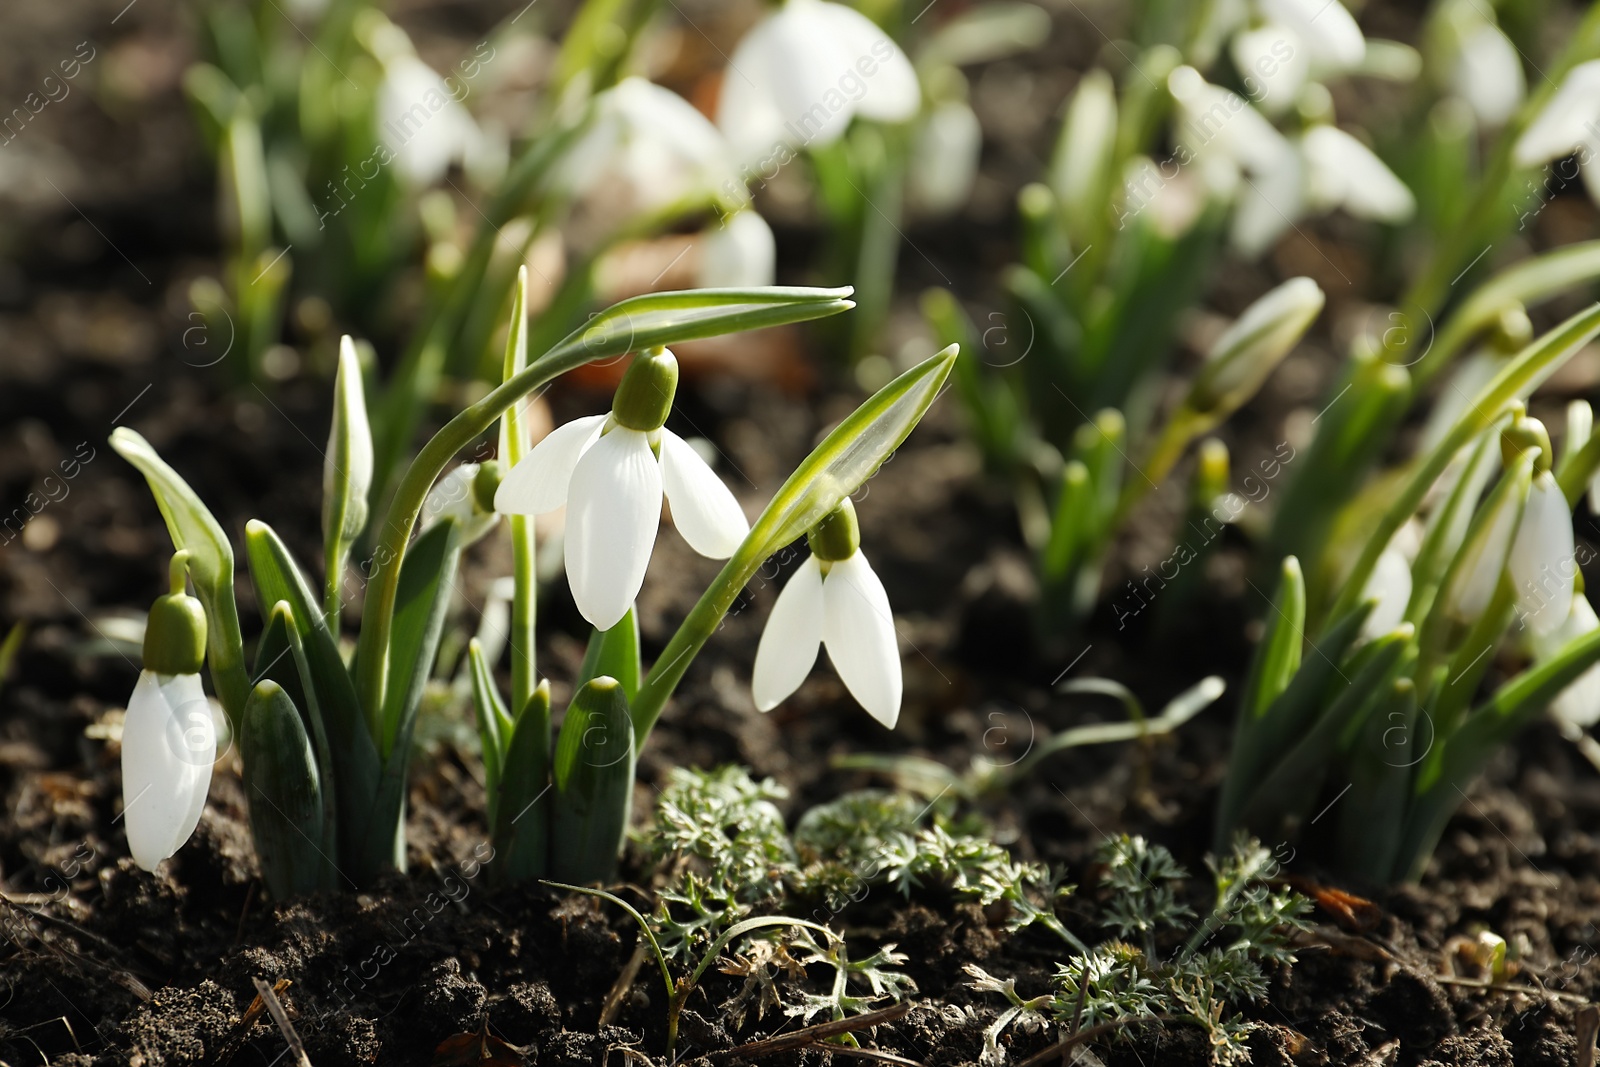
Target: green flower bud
x=644 y=397
x=1523 y=434
x=175 y=635
x=1255 y=344
x=484 y=485
x=837 y=535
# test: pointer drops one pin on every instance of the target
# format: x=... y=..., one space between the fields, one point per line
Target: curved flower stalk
x=612 y=472
x=834 y=600
x=799 y=77
x=169 y=740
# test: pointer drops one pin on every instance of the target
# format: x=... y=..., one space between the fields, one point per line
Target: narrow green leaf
x=593 y=774
x=521 y=825
x=280 y=657
x=524 y=547
x=426 y=581
x=1277 y=657
x=614 y=652
x=283 y=791
x=494 y=723
x=346 y=475
x=1371 y=822
x=1277 y=808
x=191 y=526
x=354 y=756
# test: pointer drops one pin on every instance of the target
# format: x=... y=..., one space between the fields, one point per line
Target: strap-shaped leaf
x=1393 y=741
x=524 y=548
x=614 y=652
x=346 y=474
x=426 y=582
x=280 y=657
x=354 y=755
x=835 y=469
x=283 y=790
x=521 y=825
x=593 y=774
x=191 y=526
x=1277 y=657
x=494 y=723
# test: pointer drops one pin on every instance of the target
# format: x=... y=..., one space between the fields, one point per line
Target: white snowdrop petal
x=613 y=511
x=1366 y=187
x=195 y=734
x=1578 y=705
x=1542 y=558
x=858 y=632
x=1566 y=121
x=1488 y=75
x=1269 y=203
x=1274 y=66
x=1390 y=586
x=156 y=782
x=781 y=86
x=539 y=483
x=423 y=124
x=944 y=159
x=703 y=509
x=1329 y=31
x=789 y=644
x=740 y=254
x=892 y=93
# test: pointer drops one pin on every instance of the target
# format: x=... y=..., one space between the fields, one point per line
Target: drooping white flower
x=804 y=72
x=612 y=471
x=1578 y=705
x=1390 y=582
x=645 y=149
x=944 y=159
x=1274 y=65
x=740 y=253
x=455 y=496
x=1482 y=559
x=422 y=122
x=169 y=742
x=1569 y=123
x=169 y=739
x=1542 y=561
x=1326 y=169
x=1488 y=74
x=1216 y=123
x=842 y=608
x=1327 y=29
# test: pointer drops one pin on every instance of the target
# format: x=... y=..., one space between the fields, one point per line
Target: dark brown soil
x=104 y=964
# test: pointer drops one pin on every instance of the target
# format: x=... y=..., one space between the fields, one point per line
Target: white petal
x=858 y=632
x=1355 y=176
x=168 y=744
x=1542 y=560
x=781 y=86
x=613 y=510
x=1567 y=121
x=1327 y=28
x=1274 y=66
x=1579 y=703
x=539 y=483
x=422 y=123
x=944 y=159
x=892 y=93
x=789 y=644
x=1488 y=75
x=703 y=509
x=1390 y=585
x=742 y=253
x=1269 y=203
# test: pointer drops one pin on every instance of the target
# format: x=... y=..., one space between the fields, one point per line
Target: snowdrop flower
x=647 y=148
x=804 y=72
x=169 y=740
x=421 y=120
x=1542 y=561
x=1274 y=65
x=611 y=472
x=740 y=253
x=467 y=495
x=835 y=601
x=1569 y=123
x=1488 y=74
x=1390 y=582
x=1326 y=29
x=1326 y=170
x=944 y=159
x=1578 y=705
